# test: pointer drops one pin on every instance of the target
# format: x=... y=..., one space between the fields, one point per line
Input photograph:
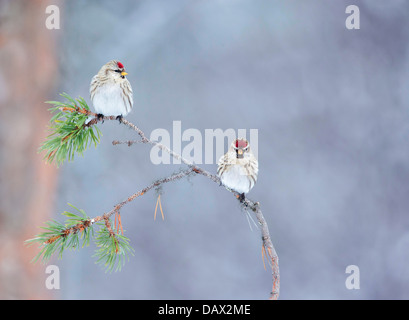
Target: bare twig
x=192 y=169
x=254 y=206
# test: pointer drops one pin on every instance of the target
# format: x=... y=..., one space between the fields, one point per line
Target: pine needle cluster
x=69 y=131
x=77 y=232
x=72 y=132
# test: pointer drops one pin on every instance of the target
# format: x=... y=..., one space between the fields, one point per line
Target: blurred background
x=331 y=109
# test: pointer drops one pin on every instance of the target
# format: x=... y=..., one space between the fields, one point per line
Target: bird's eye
x=117 y=70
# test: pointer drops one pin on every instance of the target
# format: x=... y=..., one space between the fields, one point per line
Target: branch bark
x=267 y=244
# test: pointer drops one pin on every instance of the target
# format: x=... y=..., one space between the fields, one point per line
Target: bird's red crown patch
x=120 y=65
x=241 y=143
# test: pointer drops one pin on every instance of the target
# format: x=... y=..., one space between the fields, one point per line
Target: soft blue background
x=331 y=107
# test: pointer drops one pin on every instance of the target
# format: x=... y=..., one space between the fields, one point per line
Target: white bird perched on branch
x=238 y=168
x=111 y=92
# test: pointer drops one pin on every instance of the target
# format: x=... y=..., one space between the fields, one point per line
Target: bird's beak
x=240 y=153
x=123 y=73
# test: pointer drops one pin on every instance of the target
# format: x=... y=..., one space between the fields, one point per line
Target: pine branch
x=59 y=237
x=69 y=132
x=72 y=134
x=113 y=248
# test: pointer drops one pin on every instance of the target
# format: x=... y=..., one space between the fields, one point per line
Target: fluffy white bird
x=238 y=168
x=111 y=92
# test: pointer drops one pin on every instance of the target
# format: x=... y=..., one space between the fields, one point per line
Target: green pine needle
x=69 y=136
x=68 y=133
x=54 y=240
x=112 y=250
